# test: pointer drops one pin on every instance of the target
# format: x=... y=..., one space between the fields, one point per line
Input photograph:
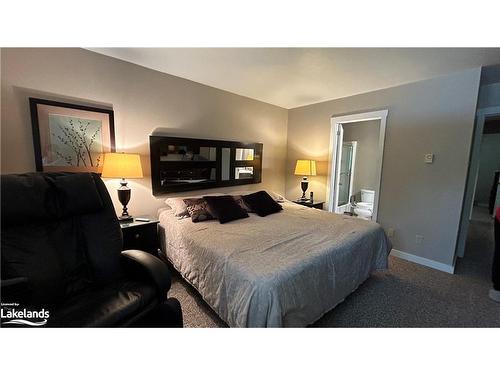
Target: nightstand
x=141 y=235
x=308 y=203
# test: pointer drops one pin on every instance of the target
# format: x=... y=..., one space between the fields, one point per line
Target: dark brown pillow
x=239 y=199
x=225 y=208
x=262 y=203
x=198 y=209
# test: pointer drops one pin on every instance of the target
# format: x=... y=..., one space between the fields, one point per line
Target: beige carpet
x=407 y=295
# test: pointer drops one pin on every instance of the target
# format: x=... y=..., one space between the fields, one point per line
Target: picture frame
x=70 y=137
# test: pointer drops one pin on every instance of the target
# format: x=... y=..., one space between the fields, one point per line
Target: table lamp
x=305 y=168
x=121 y=165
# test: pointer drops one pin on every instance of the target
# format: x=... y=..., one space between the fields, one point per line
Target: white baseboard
x=423 y=261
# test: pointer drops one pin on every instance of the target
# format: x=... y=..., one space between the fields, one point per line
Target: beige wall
x=143 y=100
x=428 y=116
x=432 y=116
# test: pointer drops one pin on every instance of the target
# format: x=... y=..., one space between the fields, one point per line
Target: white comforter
x=286 y=269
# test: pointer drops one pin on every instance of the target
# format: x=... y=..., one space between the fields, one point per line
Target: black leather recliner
x=62 y=252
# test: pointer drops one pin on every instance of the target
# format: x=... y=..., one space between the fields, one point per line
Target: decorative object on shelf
x=121 y=165
x=305 y=168
x=311 y=196
x=183 y=164
x=70 y=137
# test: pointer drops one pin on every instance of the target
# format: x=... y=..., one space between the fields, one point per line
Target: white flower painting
x=75 y=141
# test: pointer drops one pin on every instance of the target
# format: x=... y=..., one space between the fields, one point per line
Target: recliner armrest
x=152 y=266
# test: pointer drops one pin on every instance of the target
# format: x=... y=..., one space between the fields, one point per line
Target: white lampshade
x=121 y=165
x=305 y=168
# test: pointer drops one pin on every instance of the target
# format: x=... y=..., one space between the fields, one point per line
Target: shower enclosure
x=346 y=174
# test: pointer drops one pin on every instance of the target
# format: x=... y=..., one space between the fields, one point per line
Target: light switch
x=429 y=158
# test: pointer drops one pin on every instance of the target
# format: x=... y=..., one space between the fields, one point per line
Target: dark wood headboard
x=183 y=164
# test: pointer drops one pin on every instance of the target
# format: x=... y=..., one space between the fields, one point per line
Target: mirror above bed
x=183 y=164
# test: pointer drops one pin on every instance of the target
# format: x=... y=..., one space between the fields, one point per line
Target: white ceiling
x=293 y=77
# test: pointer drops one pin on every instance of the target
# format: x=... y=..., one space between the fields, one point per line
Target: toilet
x=364 y=209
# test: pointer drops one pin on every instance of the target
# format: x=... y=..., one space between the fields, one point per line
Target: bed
x=283 y=270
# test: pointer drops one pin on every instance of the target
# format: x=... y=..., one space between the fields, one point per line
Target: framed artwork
x=69 y=137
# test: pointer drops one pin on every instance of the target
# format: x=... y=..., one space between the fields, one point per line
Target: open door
x=468 y=200
x=341 y=181
x=337 y=166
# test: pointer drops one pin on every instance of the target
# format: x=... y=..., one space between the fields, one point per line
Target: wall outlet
x=419 y=239
x=390 y=232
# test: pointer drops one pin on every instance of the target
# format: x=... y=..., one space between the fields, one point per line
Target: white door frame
x=470 y=187
x=331 y=192
x=335 y=168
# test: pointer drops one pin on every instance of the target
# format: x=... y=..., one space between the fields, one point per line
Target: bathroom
x=359 y=150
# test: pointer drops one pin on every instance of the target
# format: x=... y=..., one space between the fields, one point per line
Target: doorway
x=469 y=208
x=353 y=184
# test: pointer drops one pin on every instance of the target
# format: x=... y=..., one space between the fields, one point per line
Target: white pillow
x=277 y=197
x=177 y=205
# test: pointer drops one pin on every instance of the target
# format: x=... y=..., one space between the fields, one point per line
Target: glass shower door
x=346 y=160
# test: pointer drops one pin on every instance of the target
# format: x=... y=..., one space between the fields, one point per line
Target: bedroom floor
x=406 y=295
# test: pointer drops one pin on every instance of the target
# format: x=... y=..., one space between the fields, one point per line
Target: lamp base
x=304 y=185
x=125 y=218
x=124 y=197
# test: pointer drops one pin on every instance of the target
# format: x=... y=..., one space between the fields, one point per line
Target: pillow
x=179 y=207
x=239 y=199
x=198 y=209
x=277 y=197
x=225 y=208
x=262 y=203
